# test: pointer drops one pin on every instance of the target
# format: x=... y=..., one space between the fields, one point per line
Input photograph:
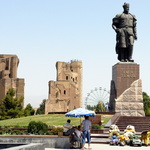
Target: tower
x=66 y=92
x=8 y=76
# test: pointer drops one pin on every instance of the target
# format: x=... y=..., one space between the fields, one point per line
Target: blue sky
x=42 y=32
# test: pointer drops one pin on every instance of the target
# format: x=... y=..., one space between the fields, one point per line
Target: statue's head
x=126 y=5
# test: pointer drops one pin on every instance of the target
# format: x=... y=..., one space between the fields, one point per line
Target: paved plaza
x=108 y=147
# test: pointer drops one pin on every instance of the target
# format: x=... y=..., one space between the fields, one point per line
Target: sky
x=42 y=32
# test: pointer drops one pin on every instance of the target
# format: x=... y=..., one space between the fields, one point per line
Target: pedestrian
x=86 y=131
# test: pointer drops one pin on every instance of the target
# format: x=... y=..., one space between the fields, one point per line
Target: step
x=104 y=138
x=140 y=123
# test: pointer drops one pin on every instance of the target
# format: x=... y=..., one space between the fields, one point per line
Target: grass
x=105 y=119
x=51 y=119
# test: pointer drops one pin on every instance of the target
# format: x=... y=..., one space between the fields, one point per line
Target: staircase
x=100 y=138
x=140 y=123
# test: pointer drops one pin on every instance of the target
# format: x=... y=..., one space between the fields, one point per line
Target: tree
x=2 y=110
x=146 y=101
x=29 y=111
x=100 y=107
x=41 y=109
x=89 y=107
x=11 y=106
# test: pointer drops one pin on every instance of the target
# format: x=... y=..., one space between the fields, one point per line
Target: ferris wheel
x=96 y=96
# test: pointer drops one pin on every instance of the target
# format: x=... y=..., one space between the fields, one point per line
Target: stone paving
x=108 y=147
x=98 y=144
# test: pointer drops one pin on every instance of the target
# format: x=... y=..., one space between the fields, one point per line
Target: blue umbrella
x=80 y=112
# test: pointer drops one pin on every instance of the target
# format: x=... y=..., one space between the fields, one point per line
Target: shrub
x=1 y=132
x=38 y=128
x=16 y=132
x=96 y=126
x=147 y=112
x=7 y=130
x=25 y=132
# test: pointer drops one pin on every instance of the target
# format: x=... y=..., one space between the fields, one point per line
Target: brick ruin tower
x=65 y=94
x=8 y=76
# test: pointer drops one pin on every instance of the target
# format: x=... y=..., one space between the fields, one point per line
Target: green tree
x=41 y=109
x=11 y=106
x=100 y=107
x=89 y=107
x=146 y=101
x=2 y=110
x=29 y=111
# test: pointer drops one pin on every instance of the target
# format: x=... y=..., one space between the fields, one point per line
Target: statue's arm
x=114 y=27
x=134 y=27
x=115 y=22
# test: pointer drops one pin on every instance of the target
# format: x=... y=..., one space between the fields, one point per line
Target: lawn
x=50 y=119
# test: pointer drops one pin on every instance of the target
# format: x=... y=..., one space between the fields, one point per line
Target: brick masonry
x=8 y=76
x=65 y=94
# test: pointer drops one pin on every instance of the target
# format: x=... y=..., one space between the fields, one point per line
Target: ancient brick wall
x=8 y=76
x=65 y=93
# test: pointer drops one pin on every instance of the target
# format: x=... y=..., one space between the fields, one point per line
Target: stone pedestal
x=126 y=90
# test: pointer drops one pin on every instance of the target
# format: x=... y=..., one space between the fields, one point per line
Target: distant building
x=65 y=94
x=8 y=76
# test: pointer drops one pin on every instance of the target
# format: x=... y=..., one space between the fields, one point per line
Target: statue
x=125 y=26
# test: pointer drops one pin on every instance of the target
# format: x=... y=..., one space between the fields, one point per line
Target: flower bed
x=35 y=128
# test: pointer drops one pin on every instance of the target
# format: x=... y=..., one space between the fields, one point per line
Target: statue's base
x=126 y=90
x=130 y=102
x=124 y=74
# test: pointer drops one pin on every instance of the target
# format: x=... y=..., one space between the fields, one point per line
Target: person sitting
x=77 y=136
x=68 y=128
x=68 y=131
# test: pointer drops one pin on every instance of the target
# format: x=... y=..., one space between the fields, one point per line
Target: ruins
x=65 y=93
x=8 y=76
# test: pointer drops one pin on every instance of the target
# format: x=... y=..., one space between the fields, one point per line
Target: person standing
x=86 y=131
x=124 y=25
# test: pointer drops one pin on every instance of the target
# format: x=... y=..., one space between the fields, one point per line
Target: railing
x=112 y=120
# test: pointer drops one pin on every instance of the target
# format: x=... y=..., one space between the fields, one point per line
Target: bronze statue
x=125 y=26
